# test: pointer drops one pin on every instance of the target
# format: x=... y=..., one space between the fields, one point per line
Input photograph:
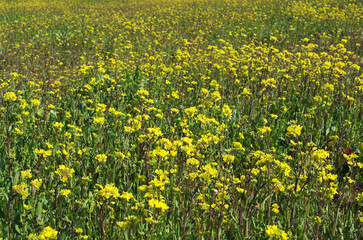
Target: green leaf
x=18 y=229
x=39 y=208
x=40 y=111
x=85 y=203
x=54 y=114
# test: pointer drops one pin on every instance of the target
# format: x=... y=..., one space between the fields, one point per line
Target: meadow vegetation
x=181 y=119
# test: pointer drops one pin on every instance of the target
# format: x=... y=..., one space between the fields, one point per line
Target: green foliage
x=192 y=119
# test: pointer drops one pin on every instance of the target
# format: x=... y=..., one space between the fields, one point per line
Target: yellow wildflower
x=9 y=97
x=36 y=183
x=26 y=174
x=64 y=173
x=21 y=189
x=109 y=191
x=65 y=192
x=294 y=130
x=48 y=233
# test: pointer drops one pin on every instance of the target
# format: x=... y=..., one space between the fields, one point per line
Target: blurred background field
x=185 y=119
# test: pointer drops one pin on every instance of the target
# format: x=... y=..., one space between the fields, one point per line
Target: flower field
x=181 y=119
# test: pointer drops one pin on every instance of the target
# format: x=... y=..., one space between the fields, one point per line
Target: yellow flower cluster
x=109 y=191
x=294 y=130
x=48 y=233
x=101 y=158
x=276 y=233
x=9 y=97
x=64 y=173
x=21 y=189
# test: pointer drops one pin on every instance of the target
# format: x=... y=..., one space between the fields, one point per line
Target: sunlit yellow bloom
x=127 y=196
x=48 y=233
x=64 y=173
x=65 y=192
x=101 y=158
x=109 y=191
x=294 y=130
x=36 y=183
x=26 y=174
x=21 y=189
x=9 y=97
x=99 y=120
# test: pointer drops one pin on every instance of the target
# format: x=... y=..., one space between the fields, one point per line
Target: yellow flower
x=238 y=146
x=154 y=132
x=109 y=191
x=275 y=208
x=31 y=236
x=58 y=125
x=26 y=174
x=255 y=171
x=216 y=96
x=317 y=219
x=36 y=183
x=246 y=92
x=126 y=196
x=294 y=130
x=64 y=173
x=271 y=230
x=227 y=112
x=359 y=198
x=320 y=155
x=192 y=161
x=65 y=192
x=174 y=110
x=27 y=207
x=21 y=189
x=123 y=224
x=329 y=87
x=9 y=97
x=101 y=157
x=272 y=38
x=228 y=158
x=48 y=233
x=264 y=129
x=99 y=120
x=142 y=93
x=190 y=111
x=120 y=155
x=175 y=94
x=154 y=203
x=43 y=153
x=274 y=231
x=271 y=82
